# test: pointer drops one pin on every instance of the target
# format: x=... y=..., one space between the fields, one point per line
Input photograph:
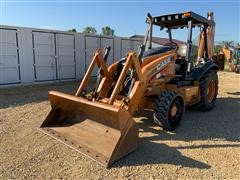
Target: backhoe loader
x=99 y=122
x=232 y=56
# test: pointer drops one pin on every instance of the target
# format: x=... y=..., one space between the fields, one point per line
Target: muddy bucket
x=103 y=132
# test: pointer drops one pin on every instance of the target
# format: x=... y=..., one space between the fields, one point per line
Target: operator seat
x=180 y=62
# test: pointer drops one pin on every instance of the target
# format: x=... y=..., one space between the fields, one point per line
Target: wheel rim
x=173 y=110
x=211 y=91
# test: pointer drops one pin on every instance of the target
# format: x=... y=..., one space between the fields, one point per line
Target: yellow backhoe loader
x=99 y=122
x=232 y=56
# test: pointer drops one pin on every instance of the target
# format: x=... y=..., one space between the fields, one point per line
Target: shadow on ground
x=234 y=93
x=221 y=123
x=158 y=153
x=16 y=96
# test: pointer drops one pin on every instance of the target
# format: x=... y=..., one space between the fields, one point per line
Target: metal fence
x=30 y=55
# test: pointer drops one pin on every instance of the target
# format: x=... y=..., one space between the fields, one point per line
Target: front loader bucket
x=100 y=131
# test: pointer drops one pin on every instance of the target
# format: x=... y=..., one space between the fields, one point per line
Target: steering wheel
x=172 y=45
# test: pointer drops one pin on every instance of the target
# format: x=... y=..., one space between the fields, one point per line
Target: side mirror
x=149 y=15
x=149 y=18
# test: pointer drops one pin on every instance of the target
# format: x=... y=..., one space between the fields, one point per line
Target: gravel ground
x=205 y=146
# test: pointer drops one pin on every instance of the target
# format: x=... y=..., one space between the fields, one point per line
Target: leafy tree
x=107 y=31
x=90 y=30
x=238 y=45
x=217 y=48
x=228 y=43
x=72 y=30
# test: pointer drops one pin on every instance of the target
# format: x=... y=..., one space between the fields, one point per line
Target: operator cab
x=183 y=51
x=185 y=68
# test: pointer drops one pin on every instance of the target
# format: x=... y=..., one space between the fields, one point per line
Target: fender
x=198 y=71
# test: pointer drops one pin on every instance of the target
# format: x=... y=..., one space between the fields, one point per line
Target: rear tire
x=208 y=91
x=237 y=70
x=169 y=109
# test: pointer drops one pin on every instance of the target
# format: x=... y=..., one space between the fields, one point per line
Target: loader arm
x=99 y=127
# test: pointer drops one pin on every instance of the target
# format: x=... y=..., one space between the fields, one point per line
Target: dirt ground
x=205 y=146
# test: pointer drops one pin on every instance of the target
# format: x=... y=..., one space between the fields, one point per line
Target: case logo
x=163 y=63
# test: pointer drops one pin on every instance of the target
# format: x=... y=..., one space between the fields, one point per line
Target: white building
x=30 y=55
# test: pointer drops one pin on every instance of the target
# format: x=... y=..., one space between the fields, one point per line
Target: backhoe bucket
x=100 y=131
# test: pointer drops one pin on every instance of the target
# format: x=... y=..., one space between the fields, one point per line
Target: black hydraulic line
x=150 y=35
x=189 y=47
x=170 y=36
x=140 y=53
x=106 y=53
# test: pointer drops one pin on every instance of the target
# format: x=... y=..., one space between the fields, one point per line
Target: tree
x=217 y=48
x=72 y=30
x=228 y=43
x=107 y=31
x=89 y=30
x=238 y=45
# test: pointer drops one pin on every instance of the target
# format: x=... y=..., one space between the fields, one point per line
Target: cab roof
x=180 y=20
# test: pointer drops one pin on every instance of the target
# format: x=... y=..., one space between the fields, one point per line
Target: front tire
x=169 y=110
x=237 y=69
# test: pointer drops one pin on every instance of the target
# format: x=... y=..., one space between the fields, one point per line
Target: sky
x=126 y=17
